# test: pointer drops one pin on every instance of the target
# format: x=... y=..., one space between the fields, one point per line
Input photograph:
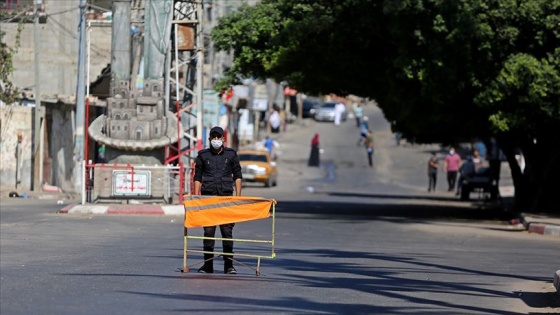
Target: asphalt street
x=349 y=240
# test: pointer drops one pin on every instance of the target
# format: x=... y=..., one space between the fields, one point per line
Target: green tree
x=442 y=71
x=8 y=91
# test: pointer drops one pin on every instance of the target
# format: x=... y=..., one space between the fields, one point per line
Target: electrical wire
x=25 y=10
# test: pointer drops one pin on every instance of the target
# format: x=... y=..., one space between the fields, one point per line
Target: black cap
x=217 y=130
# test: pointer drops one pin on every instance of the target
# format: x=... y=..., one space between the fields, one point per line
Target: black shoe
x=205 y=269
x=230 y=271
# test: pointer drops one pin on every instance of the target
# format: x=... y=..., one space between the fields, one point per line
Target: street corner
x=137 y=209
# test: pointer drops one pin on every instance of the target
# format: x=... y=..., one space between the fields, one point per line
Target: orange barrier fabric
x=203 y=211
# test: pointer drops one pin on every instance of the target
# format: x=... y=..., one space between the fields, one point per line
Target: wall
x=60 y=151
x=14 y=119
x=58 y=54
x=58 y=163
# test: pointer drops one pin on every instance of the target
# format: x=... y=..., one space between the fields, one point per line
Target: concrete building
x=57 y=71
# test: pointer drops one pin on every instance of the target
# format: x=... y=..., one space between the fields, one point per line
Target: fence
x=128 y=183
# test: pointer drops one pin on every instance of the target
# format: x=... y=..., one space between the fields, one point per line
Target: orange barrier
x=217 y=210
x=203 y=211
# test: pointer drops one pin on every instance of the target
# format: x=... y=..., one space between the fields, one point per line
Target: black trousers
x=370 y=158
x=451 y=179
x=227 y=246
x=432 y=180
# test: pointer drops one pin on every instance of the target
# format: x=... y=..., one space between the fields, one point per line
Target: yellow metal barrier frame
x=186 y=237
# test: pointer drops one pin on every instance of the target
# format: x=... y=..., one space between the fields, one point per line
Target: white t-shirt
x=274 y=120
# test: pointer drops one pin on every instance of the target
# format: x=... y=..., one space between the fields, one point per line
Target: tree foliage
x=442 y=71
x=8 y=91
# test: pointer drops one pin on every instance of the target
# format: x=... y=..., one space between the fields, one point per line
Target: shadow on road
x=404 y=207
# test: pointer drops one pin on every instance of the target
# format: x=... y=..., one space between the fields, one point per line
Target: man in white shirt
x=339 y=109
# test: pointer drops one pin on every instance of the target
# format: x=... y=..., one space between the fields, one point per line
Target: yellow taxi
x=257 y=167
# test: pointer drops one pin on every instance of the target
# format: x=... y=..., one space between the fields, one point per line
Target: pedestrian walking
x=369 y=147
x=364 y=129
x=358 y=113
x=275 y=120
x=217 y=171
x=269 y=145
x=432 y=172
x=314 y=159
x=451 y=167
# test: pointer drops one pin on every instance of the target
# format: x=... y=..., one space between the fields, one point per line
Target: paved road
x=349 y=240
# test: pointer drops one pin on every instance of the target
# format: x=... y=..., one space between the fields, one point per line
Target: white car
x=326 y=112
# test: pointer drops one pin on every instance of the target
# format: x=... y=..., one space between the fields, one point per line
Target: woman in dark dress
x=314 y=157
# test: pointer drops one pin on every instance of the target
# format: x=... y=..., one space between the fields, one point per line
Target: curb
x=124 y=209
x=557 y=281
x=533 y=226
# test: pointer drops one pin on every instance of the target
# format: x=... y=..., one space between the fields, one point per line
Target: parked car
x=310 y=106
x=257 y=167
x=326 y=112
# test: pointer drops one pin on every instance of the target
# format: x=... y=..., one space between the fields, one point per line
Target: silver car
x=326 y=112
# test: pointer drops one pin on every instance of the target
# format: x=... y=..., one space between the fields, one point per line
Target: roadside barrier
x=201 y=211
x=141 y=183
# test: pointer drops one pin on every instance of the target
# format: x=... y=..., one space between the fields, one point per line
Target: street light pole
x=39 y=132
x=80 y=101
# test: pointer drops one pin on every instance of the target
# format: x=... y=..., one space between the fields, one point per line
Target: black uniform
x=217 y=172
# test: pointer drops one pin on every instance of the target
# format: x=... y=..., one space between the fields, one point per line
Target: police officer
x=217 y=170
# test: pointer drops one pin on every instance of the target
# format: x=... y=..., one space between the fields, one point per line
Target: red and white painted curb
x=536 y=225
x=124 y=209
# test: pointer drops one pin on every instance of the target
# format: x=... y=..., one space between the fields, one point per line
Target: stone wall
x=14 y=120
x=58 y=147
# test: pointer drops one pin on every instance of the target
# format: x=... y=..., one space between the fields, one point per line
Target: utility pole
x=199 y=69
x=80 y=101
x=39 y=129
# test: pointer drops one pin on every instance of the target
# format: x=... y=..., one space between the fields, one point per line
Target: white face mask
x=451 y=152
x=216 y=143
